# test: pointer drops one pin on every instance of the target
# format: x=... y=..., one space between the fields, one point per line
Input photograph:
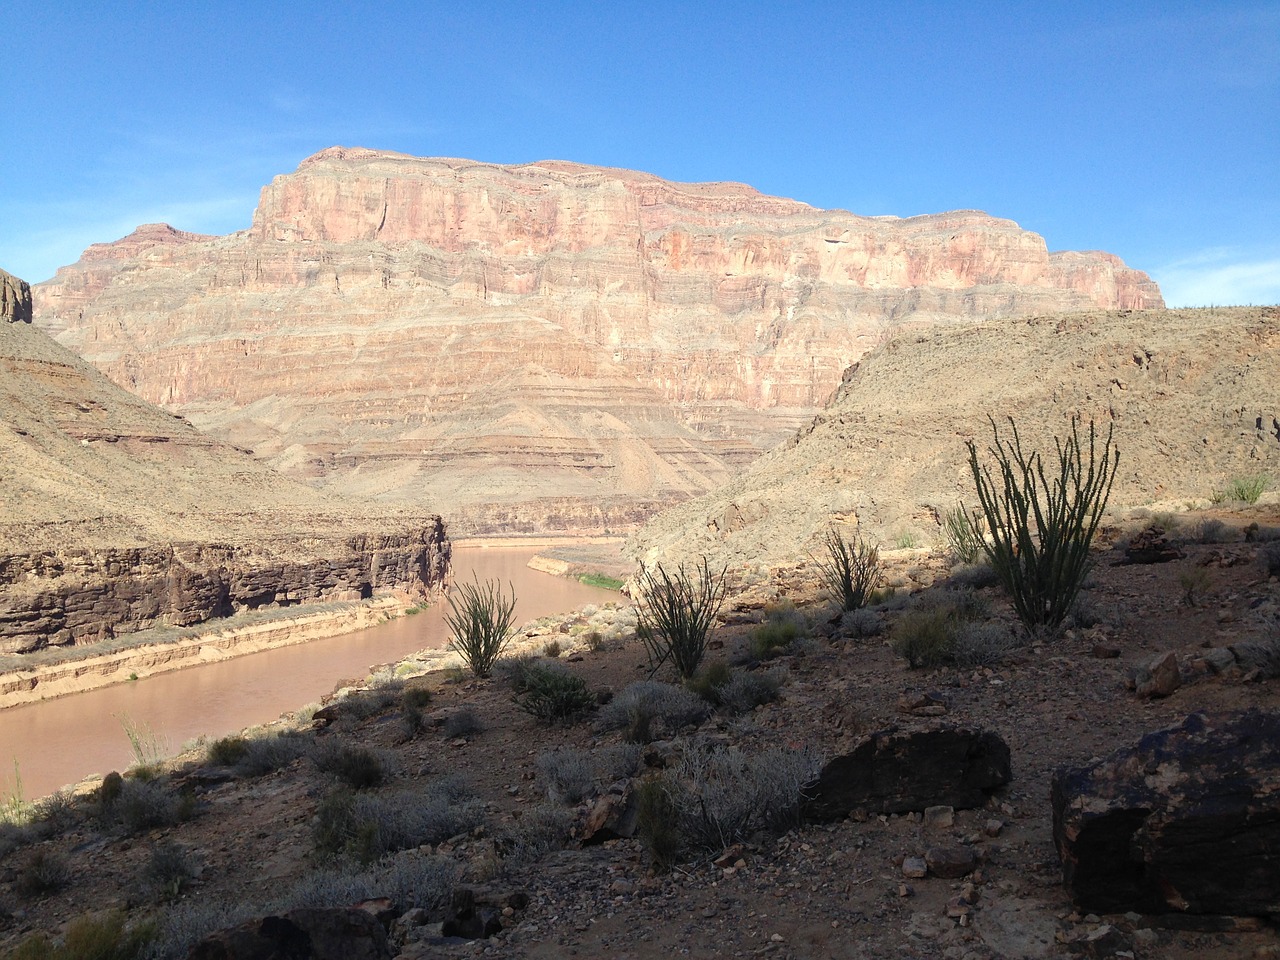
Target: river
x=61 y=741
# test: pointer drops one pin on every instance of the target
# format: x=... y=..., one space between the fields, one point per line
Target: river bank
x=64 y=677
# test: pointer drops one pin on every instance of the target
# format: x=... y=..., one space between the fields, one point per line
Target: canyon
x=120 y=517
x=536 y=347
x=1190 y=395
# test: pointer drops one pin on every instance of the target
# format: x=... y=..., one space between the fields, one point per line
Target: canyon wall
x=535 y=346
x=119 y=516
x=1191 y=395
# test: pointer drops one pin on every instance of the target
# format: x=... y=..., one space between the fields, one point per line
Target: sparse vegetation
x=538 y=832
x=676 y=616
x=358 y=767
x=149 y=747
x=1041 y=528
x=657 y=823
x=569 y=774
x=168 y=872
x=481 y=622
x=554 y=695
x=646 y=707
x=141 y=805
x=850 y=569
x=551 y=649
x=783 y=625
x=964 y=533
x=602 y=580
x=924 y=637
x=1195 y=585
x=227 y=751
x=42 y=873
x=463 y=722
x=104 y=936
x=365 y=827
x=1269 y=556
x=268 y=753
x=1242 y=489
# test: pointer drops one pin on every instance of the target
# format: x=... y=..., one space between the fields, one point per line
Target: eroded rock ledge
x=82 y=596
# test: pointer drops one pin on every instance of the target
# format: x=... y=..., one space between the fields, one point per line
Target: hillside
x=539 y=346
x=1191 y=395
x=119 y=515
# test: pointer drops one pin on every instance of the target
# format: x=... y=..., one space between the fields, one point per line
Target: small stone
x=622 y=886
x=905 y=890
x=993 y=827
x=950 y=862
x=915 y=868
x=939 y=818
x=776 y=938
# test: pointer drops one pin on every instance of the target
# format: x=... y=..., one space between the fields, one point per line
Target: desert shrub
x=783 y=625
x=657 y=823
x=227 y=751
x=980 y=645
x=1243 y=489
x=266 y=754
x=481 y=622
x=850 y=569
x=415 y=698
x=964 y=532
x=536 y=833
x=1087 y=612
x=748 y=689
x=358 y=767
x=15 y=836
x=1209 y=530
x=55 y=814
x=707 y=682
x=554 y=695
x=594 y=640
x=365 y=827
x=862 y=623
x=1195 y=585
x=143 y=805
x=571 y=774
x=648 y=704
x=102 y=936
x=515 y=670
x=1269 y=557
x=924 y=636
x=42 y=873
x=1041 y=528
x=1256 y=533
x=676 y=615
x=722 y=795
x=110 y=789
x=551 y=649
x=463 y=722
x=168 y=872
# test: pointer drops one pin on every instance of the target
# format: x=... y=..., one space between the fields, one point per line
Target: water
x=58 y=742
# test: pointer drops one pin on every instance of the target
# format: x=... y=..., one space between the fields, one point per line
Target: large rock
x=308 y=934
x=547 y=344
x=898 y=771
x=1187 y=820
x=15 y=299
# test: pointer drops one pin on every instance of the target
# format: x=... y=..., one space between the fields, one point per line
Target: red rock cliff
x=538 y=337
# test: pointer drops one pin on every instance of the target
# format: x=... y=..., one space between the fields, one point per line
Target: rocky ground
x=842 y=889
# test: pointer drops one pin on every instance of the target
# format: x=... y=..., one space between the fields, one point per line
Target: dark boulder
x=308 y=934
x=1188 y=820
x=897 y=771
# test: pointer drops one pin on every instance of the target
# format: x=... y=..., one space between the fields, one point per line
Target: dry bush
x=648 y=707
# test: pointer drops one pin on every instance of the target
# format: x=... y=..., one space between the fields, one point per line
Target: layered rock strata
x=1190 y=394
x=119 y=516
x=521 y=341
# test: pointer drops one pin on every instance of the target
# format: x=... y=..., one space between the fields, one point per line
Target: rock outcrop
x=15 y=299
x=1188 y=820
x=901 y=771
x=521 y=341
x=119 y=516
x=1191 y=395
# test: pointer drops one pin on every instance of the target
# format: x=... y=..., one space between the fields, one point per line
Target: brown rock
x=310 y=934
x=897 y=771
x=1159 y=678
x=15 y=299
x=1188 y=820
x=950 y=862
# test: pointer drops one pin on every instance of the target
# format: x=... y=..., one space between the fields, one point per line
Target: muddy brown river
x=58 y=742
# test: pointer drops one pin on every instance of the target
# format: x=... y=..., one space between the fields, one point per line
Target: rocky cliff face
x=1190 y=393
x=15 y=299
x=534 y=338
x=119 y=516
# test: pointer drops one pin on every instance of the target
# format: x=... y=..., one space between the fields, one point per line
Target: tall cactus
x=1041 y=528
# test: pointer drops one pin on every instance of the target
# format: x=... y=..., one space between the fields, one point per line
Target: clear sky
x=1151 y=130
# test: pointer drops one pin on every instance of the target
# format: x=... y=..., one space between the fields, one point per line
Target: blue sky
x=1149 y=130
